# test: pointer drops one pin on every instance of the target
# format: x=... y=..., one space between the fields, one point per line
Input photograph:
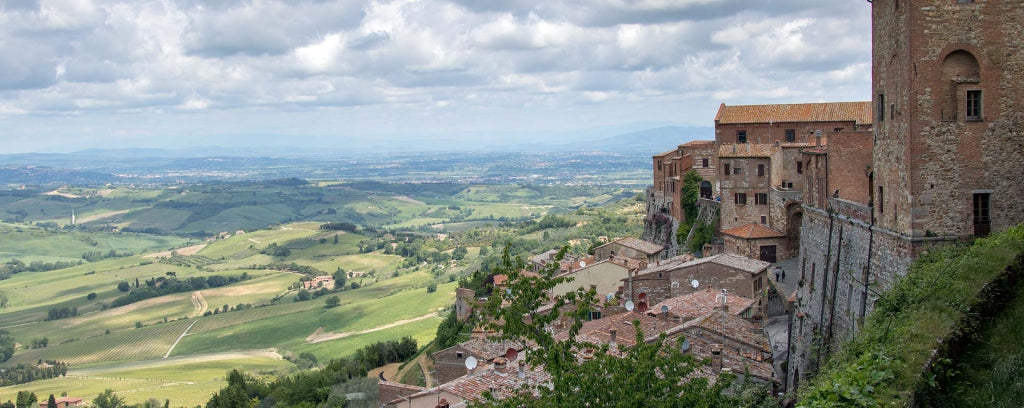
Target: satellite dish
x=629 y=305
x=583 y=264
x=511 y=354
x=686 y=345
x=471 y=363
x=664 y=309
x=694 y=283
x=642 y=307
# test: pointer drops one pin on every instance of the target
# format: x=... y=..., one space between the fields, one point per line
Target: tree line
x=160 y=286
x=23 y=373
x=310 y=388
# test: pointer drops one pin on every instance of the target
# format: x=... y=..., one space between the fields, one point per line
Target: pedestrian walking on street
x=783 y=275
x=776 y=275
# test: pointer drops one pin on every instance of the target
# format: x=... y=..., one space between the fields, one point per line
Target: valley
x=395 y=250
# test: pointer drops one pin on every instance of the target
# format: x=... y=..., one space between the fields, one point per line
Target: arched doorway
x=705 y=190
x=794 y=219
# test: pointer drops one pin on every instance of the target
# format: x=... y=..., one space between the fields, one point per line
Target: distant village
x=816 y=209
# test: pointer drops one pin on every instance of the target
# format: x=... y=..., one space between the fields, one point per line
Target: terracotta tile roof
x=663 y=154
x=753 y=231
x=697 y=143
x=731 y=326
x=599 y=331
x=500 y=279
x=858 y=112
x=503 y=381
x=701 y=303
x=490 y=349
x=648 y=248
x=746 y=150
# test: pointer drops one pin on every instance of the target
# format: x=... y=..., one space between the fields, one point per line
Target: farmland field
x=387 y=247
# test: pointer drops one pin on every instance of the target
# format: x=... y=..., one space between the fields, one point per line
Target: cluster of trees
x=340 y=226
x=310 y=388
x=40 y=343
x=277 y=251
x=166 y=285
x=23 y=373
x=62 y=312
x=451 y=331
x=94 y=256
x=290 y=267
x=17 y=266
x=6 y=345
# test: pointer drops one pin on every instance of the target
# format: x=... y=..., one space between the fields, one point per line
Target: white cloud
x=651 y=60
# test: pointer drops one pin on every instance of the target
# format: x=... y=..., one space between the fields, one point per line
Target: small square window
x=764 y=219
x=704 y=162
x=974 y=105
x=761 y=198
x=741 y=136
x=737 y=170
x=740 y=198
x=790 y=135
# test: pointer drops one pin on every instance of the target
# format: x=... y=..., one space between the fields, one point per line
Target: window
x=974 y=105
x=726 y=169
x=741 y=136
x=881 y=107
x=740 y=198
x=659 y=165
x=737 y=170
x=982 y=214
x=790 y=135
x=764 y=219
x=458 y=354
x=799 y=167
x=704 y=162
x=881 y=199
x=760 y=170
x=761 y=198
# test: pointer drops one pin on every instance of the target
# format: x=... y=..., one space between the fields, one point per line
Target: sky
x=77 y=74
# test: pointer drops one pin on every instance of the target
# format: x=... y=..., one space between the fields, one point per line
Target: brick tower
x=948 y=82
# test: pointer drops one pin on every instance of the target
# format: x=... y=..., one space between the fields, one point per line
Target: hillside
x=399 y=278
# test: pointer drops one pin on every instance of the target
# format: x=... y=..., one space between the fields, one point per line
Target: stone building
x=604 y=276
x=450 y=363
x=737 y=274
x=632 y=248
x=762 y=166
x=947 y=155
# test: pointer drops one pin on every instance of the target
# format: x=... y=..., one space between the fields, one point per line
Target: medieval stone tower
x=947 y=162
x=948 y=82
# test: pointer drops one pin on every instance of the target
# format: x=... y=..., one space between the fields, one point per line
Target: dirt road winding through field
x=198 y=303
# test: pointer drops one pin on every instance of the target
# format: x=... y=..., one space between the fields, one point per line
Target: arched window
x=962 y=97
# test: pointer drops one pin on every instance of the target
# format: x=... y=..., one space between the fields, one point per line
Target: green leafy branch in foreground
x=655 y=374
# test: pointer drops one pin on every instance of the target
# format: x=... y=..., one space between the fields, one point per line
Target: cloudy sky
x=141 y=73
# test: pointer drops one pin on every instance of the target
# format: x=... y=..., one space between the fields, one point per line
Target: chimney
x=522 y=369
x=499 y=363
x=817 y=138
x=716 y=358
x=613 y=333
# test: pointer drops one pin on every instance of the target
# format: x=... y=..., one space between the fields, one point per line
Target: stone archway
x=794 y=220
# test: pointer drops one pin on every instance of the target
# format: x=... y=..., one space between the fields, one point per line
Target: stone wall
x=749 y=183
x=844 y=263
